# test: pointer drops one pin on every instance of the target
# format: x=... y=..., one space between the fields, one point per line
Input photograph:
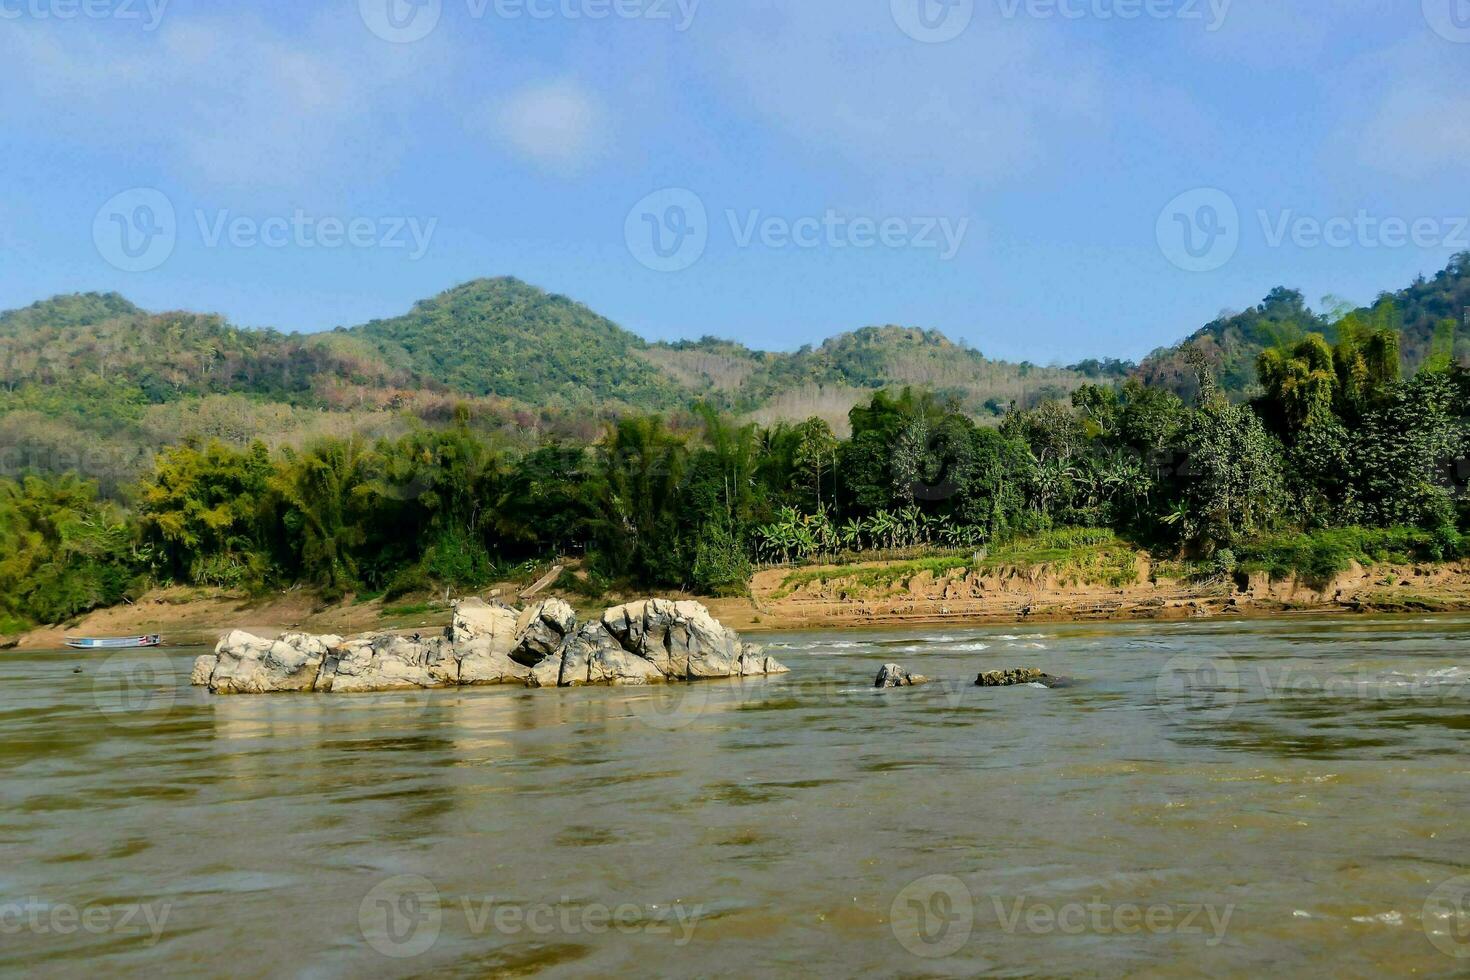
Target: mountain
x=76 y=310
x=92 y=382
x=1233 y=341
x=503 y=337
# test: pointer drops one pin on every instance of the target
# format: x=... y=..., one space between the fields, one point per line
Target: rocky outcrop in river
x=648 y=642
x=894 y=675
x=1019 y=675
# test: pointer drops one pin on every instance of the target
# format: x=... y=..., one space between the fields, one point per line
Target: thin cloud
x=556 y=124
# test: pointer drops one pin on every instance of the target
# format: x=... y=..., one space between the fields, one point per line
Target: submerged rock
x=1019 y=675
x=647 y=642
x=892 y=675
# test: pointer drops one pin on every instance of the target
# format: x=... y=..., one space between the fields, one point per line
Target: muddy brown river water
x=1225 y=799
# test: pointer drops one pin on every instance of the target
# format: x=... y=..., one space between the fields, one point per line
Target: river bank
x=828 y=597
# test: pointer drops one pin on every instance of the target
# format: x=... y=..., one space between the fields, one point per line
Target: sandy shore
x=834 y=600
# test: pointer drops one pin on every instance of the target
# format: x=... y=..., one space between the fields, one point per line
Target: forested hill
x=94 y=372
x=491 y=338
x=504 y=337
x=1233 y=341
x=828 y=379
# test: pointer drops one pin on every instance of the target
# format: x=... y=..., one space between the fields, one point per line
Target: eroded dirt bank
x=832 y=597
x=837 y=596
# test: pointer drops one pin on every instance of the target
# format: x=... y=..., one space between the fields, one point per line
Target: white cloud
x=557 y=124
x=225 y=103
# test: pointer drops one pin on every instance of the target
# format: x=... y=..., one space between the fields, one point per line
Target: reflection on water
x=1216 y=798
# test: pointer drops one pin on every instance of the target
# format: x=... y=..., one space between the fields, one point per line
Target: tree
x=816 y=447
x=1232 y=482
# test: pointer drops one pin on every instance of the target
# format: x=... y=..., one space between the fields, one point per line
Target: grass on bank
x=1091 y=556
x=1318 y=556
x=1097 y=556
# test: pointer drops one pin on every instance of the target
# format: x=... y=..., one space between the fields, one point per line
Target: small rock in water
x=1019 y=675
x=892 y=675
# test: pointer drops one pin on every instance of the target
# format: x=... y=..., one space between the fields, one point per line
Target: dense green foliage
x=1234 y=341
x=62 y=551
x=1341 y=454
x=503 y=337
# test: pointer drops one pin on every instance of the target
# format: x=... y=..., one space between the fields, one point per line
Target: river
x=1218 y=798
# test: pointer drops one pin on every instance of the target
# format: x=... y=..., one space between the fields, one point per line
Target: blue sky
x=1020 y=174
